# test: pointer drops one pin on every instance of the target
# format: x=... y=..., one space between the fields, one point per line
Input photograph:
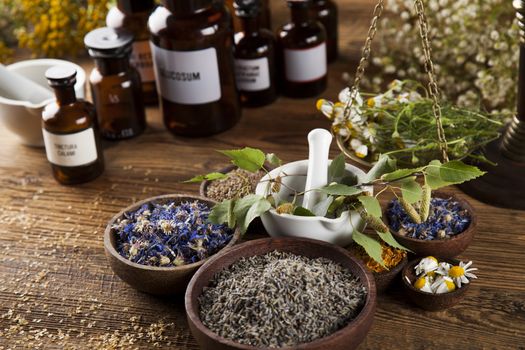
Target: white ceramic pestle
x=319 y=141
x=16 y=87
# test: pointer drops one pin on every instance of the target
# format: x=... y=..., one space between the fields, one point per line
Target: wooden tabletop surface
x=57 y=290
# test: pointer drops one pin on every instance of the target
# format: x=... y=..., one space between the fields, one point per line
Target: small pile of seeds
x=447 y=218
x=281 y=299
x=169 y=234
x=238 y=184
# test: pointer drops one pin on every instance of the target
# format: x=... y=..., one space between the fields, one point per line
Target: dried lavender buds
x=169 y=234
x=446 y=219
x=238 y=184
x=280 y=299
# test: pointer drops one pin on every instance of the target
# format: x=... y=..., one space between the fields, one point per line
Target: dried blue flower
x=447 y=218
x=169 y=234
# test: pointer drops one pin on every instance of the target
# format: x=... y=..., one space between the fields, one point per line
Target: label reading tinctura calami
x=187 y=77
x=72 y=149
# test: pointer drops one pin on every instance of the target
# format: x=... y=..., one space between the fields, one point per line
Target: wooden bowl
x=153 y=279
x=385 y=279
x=346 y=338
x=445 y=248
x=429 y=301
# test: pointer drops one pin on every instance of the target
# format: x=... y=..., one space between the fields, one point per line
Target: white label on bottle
x=71 y=149
x=252 y=75
x=141 y=59
x=305 y=65
x=187 y=77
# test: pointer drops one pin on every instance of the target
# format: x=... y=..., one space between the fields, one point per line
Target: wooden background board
x=57 y=291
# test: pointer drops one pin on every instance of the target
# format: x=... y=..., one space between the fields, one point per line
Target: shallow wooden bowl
x=153 y=279
x=429 y=301
x=385 y=279
x=346 y=338
x=445 y=248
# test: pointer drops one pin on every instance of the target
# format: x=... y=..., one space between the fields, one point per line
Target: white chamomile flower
x=375 y=102
x=443 y=268
x=443 y=284
x=395 y=85
x=344 y=97
x=355 y=144
x=461 y=273
x=361 y=151
x=369 y=133
x=426 y=265
x=326 y=107
x=403 y=98
x=423 y=284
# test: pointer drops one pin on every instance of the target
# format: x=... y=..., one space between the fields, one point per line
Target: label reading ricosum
x=187 y=77
x=252 y=75
x=72 y=149
x=305 y=65
x=141 y=59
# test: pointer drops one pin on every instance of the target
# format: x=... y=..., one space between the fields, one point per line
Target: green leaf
x=457 y=172
x=273 y=159
x=390 y=240
x=400 y=174
x=321 y=208
x=384 y=165
x=301 y=211
x=248 y=208
x=223 y=213
x=336 y=170
x=341 y=190
x=371 y=205
x=209 y=177
x=371 y=246
x=433 y=175
x=350 y=179
x=412 y=191
x=249 y=159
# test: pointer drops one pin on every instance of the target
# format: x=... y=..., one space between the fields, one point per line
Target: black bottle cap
x=108 y=43
x=61 y=76
x=135 y=6
x=187 y=7
x=299 y=2
x=247 y=8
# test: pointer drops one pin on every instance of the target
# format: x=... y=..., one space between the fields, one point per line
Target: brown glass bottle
x=302 y=47
x=192 y=46
x=115 y=84
x=132 y=15
x=264 y=16
x=325 y=11
x=255 y=65
x=69 y=127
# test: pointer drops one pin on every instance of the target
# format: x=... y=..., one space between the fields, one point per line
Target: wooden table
x=57 y=291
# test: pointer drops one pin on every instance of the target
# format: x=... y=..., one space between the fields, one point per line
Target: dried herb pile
x=280 y=299
x=170 y=234
x=237 y=184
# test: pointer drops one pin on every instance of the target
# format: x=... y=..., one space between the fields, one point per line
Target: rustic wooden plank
x=57 y=291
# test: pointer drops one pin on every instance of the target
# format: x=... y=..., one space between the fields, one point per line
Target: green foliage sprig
x=344 y=192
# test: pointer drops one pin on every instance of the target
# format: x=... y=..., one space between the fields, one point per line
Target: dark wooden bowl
x=429 y=301
x=385 y=279
x=153 y=279
x=445 y=248
x=346 y=338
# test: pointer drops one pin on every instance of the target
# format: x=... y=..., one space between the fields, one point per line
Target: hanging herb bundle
x=400 y=123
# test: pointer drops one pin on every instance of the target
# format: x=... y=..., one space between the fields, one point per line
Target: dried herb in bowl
x=237 y=184
x=280 y=299
x=446 y=219
x=169 y=234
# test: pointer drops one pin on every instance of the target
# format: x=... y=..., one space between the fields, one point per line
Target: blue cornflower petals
x=169 y=234
x=447 y=218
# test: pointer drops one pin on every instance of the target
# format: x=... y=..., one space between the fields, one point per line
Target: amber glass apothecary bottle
x=302 y=47
x=325 y=11
x=255 y=64
x=70 y=132
x=115 y=84
x=192 y=46
x=264 y=17
x=132 y=15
